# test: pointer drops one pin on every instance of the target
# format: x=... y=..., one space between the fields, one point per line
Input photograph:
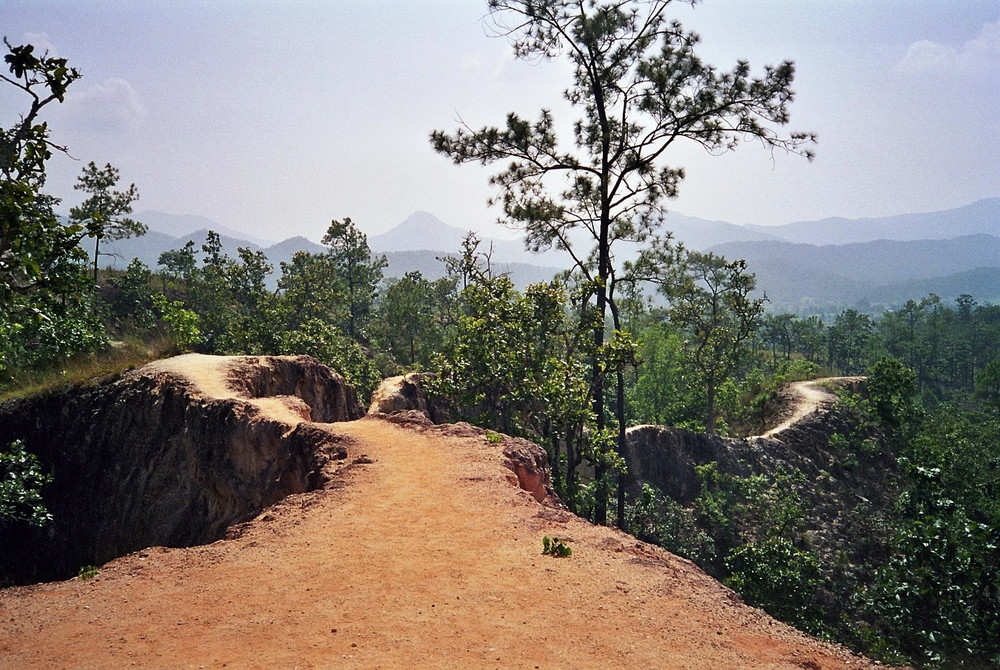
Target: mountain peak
x=188 y=225
x=419 y=231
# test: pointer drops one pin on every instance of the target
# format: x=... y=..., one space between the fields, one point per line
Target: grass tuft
x=119 y=358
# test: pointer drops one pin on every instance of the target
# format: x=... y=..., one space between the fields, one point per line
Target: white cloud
x=471 y=65
x=110 y=106
x=980 y=54
x=41 y=43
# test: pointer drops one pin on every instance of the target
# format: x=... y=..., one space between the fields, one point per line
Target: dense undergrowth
x=918 y=582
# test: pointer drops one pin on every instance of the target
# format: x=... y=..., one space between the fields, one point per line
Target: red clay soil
x=422 y=554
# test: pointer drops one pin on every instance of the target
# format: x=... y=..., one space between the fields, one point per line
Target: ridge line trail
x=808 y=397
x=426 y=557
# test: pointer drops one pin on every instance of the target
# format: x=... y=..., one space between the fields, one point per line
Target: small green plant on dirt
x=87 y=572
x=553 y=546
x=493 y=438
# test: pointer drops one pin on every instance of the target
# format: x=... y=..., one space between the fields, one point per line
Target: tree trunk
x=710 y=406
x=620 y=411
x=619 y=415
x=600 y=471
x=97 y=254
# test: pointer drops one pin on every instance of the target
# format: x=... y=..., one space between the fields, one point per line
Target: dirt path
x=806 y=397
x=423 y=555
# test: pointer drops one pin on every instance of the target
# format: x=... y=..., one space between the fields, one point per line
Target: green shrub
x=556 y=547
x=660 y=520
x=87 y=572
x=778 y=577
x=21 y=481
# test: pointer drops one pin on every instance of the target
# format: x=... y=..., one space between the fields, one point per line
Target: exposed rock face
x=406 y=392
x=153 y=458
x=530 y=465
x=328 y=397
x=666 y=457
x=841 y=492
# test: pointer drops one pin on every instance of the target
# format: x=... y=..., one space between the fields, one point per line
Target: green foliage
x=324 y=342
x=660 y=520
x=179 y=263
x=664 y=392
x=849 y=341
x=356 y=271
x=638 y=86
x=87 y=572
x=988 y=384
x=778 y=577
x=34 y=243
x=237 y=313
x=131 y=297
x=21 y=482
x=408 y=319
x=556 y=547
x=892 y=389
x=936 y=596
x=103 y=214
x=310 y=291
x=181 y=323
x=503 y=362
x=620 y=139
x=511 y=363
x=493 y=438
x=711 y=303
x=739 y=509
x=46 y=335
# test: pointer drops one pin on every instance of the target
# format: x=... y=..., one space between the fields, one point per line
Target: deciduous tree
x=33 y=241
x=358 y=272
x=713 y=305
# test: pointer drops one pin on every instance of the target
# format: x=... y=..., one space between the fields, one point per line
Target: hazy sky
x=274 y=117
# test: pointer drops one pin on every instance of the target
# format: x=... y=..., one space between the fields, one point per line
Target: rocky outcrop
x=405 y=393
x=328 y=397
x=170 y=454
x=530 y=465
x=666 y=457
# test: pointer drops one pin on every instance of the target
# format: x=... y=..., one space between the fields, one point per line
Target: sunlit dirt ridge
x=420 y=550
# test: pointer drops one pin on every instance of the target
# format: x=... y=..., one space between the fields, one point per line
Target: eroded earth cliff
x=171 y=454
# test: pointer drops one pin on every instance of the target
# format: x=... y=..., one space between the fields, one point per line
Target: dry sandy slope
x=425 y=557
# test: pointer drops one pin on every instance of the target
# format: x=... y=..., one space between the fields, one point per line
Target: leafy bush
x=21 y=481
x=87 y=572
x=556 y=547
x=778 y=577
x=182 y=324
x=660 y=520
x=937 y=595
x=324 y=342
x=892 y=389
x=735 y=510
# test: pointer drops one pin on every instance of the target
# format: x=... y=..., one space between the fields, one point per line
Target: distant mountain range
x=982 y=216
x=796 y=276
x=803 y=266
x=178 y=225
